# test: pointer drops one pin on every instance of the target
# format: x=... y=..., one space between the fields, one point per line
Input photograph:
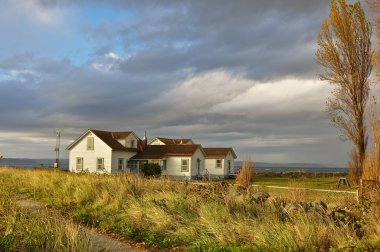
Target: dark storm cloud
x=264 y=39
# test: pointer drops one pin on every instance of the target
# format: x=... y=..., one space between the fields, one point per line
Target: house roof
x=109 y=138
x=218 y=152
x=171 y=141
x=162 y=151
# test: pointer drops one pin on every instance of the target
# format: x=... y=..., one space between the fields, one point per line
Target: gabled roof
x=109 y=138
x=171 y=141
x=162 y=151
x=218 y=152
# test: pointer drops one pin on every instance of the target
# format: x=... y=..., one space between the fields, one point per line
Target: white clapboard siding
x=101 y=150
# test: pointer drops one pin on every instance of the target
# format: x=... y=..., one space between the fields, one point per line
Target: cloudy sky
x=225 y=73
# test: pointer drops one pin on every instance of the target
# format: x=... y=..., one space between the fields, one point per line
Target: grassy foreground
x=169 y=214
x=27 y=230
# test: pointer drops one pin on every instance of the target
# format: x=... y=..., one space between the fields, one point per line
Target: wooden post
x=357 y=195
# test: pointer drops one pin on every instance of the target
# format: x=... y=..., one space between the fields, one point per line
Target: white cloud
x=205 y=90
x=282 y=94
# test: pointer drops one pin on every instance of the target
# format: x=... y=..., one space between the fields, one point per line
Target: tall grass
x=27 y=230
x=246 y=174
x=165 y=214
x=371 y=165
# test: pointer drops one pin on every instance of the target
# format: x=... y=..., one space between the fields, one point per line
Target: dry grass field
x=173 y=215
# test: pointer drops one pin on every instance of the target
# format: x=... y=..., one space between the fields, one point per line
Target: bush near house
x=151 y=170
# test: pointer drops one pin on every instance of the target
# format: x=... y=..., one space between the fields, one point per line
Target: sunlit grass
x=23 y=229
x=194 y=217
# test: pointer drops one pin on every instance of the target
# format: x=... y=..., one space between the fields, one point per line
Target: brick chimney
x=143 y=142
x=145 y=139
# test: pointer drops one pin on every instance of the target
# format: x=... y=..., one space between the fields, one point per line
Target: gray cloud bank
x=226 y=73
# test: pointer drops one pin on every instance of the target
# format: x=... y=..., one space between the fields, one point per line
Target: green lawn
x=316 y=183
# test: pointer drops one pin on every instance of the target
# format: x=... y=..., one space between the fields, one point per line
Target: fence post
x=357 y=195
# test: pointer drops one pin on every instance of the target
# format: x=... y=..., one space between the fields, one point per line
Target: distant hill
x=291 y=165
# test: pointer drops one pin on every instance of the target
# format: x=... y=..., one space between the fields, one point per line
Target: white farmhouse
x=115 y=152
x=102 y=151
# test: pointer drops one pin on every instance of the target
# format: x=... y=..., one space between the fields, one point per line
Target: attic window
x=90 y=143
x=132 y=143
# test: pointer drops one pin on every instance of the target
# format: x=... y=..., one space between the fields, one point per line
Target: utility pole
x=57 y=146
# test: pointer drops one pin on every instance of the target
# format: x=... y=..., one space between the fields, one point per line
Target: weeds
x=245 y=177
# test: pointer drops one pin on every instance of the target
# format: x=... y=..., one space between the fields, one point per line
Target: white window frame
x=185 y=168
x=90 y=143
x=98 y=164
x=219 y=163
x=132 y=143
x=120 y=164
x=81 y=164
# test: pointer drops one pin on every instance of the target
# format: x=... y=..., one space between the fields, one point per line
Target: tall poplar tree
x=346 y=55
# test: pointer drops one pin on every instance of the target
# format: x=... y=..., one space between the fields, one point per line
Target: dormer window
x=90 y=143
x=132 y=143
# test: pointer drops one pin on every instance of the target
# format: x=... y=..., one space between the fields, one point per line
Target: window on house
x=90 y=143
x=132 y=164
x=132 y=143
x=185 y=165
x=79 y=165
x=120 y=164
x=218 y=163
x=163 y=165
x=100 y=164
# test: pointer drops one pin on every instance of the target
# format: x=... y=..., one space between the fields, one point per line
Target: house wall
x=173 y=167
x=101 y=150
x=115 y=160
x=220 y=172
x=229 y=157
x=156 y=142
x=198 y=154
x=213 y=171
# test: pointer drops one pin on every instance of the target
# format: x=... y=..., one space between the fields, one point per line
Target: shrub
x=245 y=177
x=151 y=170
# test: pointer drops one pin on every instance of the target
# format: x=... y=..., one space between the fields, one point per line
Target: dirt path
x=99 y=242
